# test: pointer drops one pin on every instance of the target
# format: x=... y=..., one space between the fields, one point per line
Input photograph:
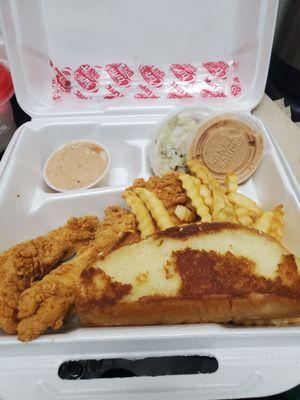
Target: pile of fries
x=209 y=201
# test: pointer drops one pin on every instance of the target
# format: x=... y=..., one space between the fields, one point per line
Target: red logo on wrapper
x=87 y=77
x=120 y=73
x=218 y=69
x=184 y=72
x=152 y=75
x=113 y=93
x=235 y=88
x=214 y=90
x=146 y=93
x=177 y=92
x=173 y=81
x=61 y=82
x=80 y=95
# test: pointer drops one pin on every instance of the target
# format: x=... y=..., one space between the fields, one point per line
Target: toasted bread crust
x=228 y=285
x=248 y=310
x=186 y=231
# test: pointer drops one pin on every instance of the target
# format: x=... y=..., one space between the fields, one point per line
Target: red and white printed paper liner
x=106 y=82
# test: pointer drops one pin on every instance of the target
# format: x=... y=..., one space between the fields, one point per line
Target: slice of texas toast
x=212 y=272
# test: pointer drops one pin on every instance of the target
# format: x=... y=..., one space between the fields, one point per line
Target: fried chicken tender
x=48 y=302
x=27 y=262
x=167 y=188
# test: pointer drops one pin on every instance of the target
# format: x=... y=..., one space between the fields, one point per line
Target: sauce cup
x=95 y=182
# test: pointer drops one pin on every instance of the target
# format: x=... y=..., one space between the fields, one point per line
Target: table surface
x=283 y=130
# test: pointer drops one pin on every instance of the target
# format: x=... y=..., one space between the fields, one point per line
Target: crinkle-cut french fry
x=222 y=210
x=203 y=190
x=244 y=201
x=200 y=170
x=196 y=181
x=143 y=217
x=218 y=205
x=263 y=223
x=245 y=220
x=277 y=223
x=229 y=212
x=231 y=183
x=206 y=178
x=155 y=206
x=221 y=217
x=243 y=216
x=184 y=214
x=190 y=186
x=205 y=193
x=175 y=220
x=225 y=213
x=278 y=212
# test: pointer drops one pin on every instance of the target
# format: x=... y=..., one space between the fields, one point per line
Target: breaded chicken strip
x=168 y=188
x=48 y=302
x=27 y=262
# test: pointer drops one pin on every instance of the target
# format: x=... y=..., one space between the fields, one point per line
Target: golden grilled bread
x=210 y=272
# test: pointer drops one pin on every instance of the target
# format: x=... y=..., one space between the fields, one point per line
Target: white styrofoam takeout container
x=252 y=361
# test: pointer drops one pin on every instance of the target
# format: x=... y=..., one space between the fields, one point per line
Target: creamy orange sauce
x=76 y=165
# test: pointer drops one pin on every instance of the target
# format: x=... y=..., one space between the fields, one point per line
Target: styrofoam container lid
x=135 y=32
x=3 y=57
